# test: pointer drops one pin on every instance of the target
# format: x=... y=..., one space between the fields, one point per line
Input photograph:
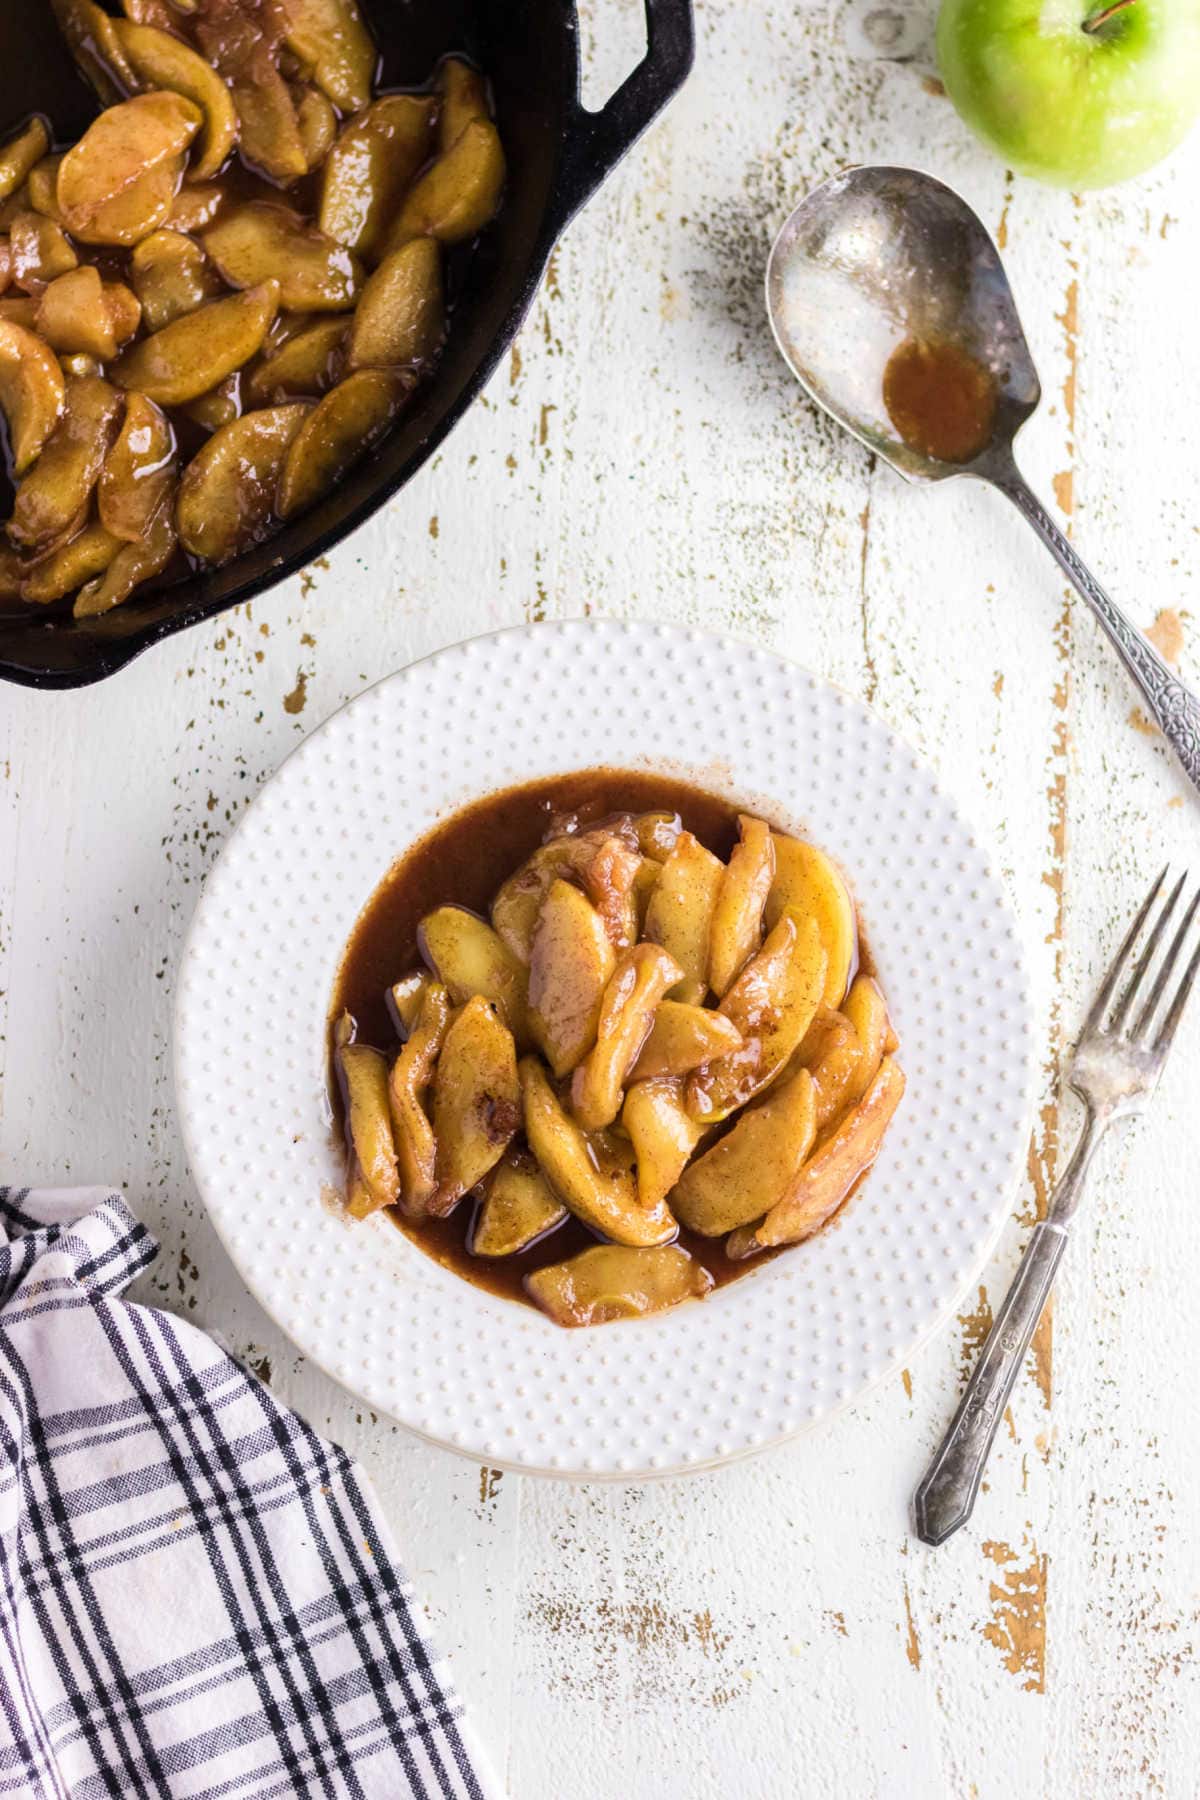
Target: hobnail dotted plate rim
x=230 y=945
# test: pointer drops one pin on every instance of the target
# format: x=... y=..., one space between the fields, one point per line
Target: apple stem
x=1096 y=20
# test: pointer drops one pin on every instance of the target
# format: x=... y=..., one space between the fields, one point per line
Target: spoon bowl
x=891 y=307
x=878 y=258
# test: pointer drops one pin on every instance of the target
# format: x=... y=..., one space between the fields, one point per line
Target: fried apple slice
x=830 y=1173
x=305 y=365
x=457 y=194
x=124 y=309
x=405 y=997
x=21 y=154
x=610 y=1282
x=119 y=148
x=368 y=1116
x=603 y=864
x=738 y=912
x=254 y=242
x=329 y=37
x=195 y=207
x=465 y=953
x=807 y=883
x=600 y=1193
x=57 y=488
x=412 y=1072
x=220 y=406
x=463 y=94
x=849 y=1060
x=641 y=978
x=519 y=1207
x=570 y=966
x=227 y=492
x=679 y=915
x=753 y=1165
x=400 y=317
x=339 y=429
x=244 y=57
x=91 y=37
x=370 y=166
x=39 y=250
x=171 y=276
x=131 y=566
x=20 y=309
x=772 y=1004
x=476 y=1102
x=192 y=354
x=137 y=211
x=73 y=315
x=681 y=1038
x=663 y=1133
x=42 y=189
x=160 y=60
x=138 y=472
x=317 y=124
x=31 y=391
x=67 y=566
x=5 y=264
x=657 y=833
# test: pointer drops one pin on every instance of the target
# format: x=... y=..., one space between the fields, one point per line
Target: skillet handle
x=596 y=141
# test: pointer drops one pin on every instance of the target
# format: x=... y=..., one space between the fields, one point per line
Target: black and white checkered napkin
x=198 y=1595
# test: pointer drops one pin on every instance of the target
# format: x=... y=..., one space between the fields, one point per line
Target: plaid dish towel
x=198 y=1595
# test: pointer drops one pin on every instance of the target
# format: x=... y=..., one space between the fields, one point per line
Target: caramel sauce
x=463 y=861
x=941 y=401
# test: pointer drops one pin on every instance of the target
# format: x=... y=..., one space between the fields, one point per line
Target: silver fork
x=1114 y=1071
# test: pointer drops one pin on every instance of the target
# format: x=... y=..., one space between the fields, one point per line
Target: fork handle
x=946 y=1496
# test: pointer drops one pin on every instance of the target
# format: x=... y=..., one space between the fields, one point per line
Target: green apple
x=1078 y=92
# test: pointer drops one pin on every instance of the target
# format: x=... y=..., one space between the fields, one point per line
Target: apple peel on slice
x=340 y=429
x=227 y=491
x=31 y=391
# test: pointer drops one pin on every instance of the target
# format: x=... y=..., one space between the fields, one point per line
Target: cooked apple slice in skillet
x=329 y=37
x=42 y=188
x=411 y=1074
x=340 y=428
x=171 y=276
x=751 y=1167
x=66 y=566
x=121 y=146
x=807 y=883
x=244 y=57
x=316 y=122
x=611 y=1282
x=92 y=40
x=772 y=1004
x=679 y=916
x=641 y=978
x=20 y=309
x=400 y=317
x=369 y=1119
x=738 y=911
x=137 y=210
x=192 y=354
x=663 y=1134
x=73 y=315
x=21 y=154
x=469 y=958
x=39 y=251
x=463 y=95
x=519 y=1207
x=305 y=365
x=457 y=194
x=31 y=391
x=681 y=1038
x=160 y=60
x=476 y=1101
x=264 y=239
x=405 y=997
x=830 y=1172
x=374 y=159
x=599 y=1191
x=569 y=970
x=132 y=564
x=227 y=491
x=57 y=488
x=124 y=309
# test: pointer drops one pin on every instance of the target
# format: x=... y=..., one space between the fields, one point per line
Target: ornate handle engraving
x=946 y=1496
x=1175 y=708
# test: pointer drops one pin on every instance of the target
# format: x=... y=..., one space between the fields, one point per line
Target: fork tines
x=1142 y=1030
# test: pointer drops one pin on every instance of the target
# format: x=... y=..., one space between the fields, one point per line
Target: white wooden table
x=773 y=1630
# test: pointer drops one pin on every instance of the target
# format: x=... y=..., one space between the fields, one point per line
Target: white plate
x=762 y=1358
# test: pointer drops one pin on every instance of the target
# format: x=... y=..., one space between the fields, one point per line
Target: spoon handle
x=1175 y=709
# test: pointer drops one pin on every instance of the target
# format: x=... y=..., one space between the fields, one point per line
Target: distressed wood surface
x=772 y=1629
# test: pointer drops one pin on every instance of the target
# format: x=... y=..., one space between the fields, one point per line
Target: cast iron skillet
x=558 y=154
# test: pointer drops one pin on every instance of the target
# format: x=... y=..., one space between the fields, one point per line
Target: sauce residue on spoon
x=941 y=401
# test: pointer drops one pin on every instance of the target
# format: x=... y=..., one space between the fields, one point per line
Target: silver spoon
x=880 y=258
